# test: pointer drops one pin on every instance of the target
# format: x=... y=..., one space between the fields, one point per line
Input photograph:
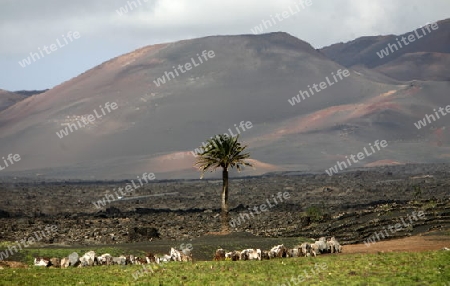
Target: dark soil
x=351 y=206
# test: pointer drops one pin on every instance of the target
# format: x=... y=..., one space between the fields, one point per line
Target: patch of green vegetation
x=385 y=207
x=5 y=244
x=445 y=232
x=424 y=268
x=430 y=205
x=417 y=192
x=316 y=213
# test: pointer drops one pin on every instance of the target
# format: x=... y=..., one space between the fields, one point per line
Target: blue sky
x=27 y=25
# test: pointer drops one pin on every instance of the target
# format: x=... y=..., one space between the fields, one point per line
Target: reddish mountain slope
x=250 y=78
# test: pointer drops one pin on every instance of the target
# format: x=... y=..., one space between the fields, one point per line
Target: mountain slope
x=420 y=65
x=8 y=98
x=430 y=51
x=250 y=78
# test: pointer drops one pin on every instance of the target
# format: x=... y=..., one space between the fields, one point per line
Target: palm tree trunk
x=225 y=218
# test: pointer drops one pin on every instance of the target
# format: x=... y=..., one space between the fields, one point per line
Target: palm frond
x=222 y=151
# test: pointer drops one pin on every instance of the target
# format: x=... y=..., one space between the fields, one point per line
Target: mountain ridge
x=251 y=78
x=363 y=51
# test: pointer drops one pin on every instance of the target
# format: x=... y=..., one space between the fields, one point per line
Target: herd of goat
x=90 y=258
x=320 y=246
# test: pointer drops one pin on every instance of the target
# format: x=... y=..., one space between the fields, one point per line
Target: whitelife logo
x=38 y=235
x=71 y=36
x=319 y=87
x=263 y=208
x=131 y=5
x=301 y=5
x=394 y=228
x=243 y=125
x=360 y=156
x=12 y=159
x=423 y=123
x=72 y=126
x=130 y=187
x=406 y=41
x=302 y=277
x=188 y=66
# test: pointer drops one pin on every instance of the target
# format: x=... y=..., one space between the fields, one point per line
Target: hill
x=163 y=113
x=8 y=98
x=422 y=54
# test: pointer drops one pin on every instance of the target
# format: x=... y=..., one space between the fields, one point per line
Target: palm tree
x=226 y=152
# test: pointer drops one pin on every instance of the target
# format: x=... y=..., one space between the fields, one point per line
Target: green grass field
x=426 y=268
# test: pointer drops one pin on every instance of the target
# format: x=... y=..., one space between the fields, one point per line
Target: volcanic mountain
x=251 y=78
x=8 y=98
x=426 y=56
